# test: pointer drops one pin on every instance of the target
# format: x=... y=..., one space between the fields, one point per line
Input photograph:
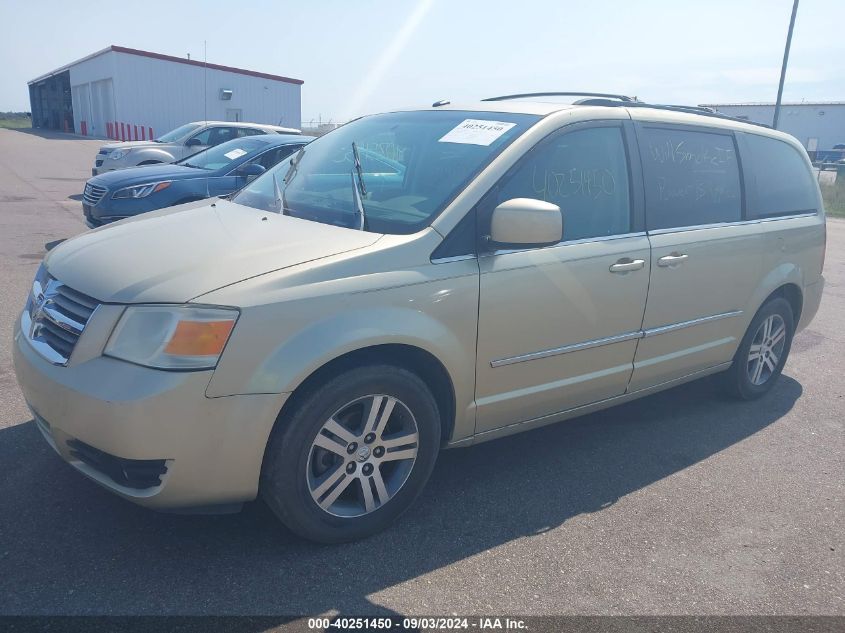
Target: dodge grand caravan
x=506 y=264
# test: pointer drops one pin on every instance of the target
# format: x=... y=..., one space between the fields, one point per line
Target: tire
x=326 y=442
x=747 y=378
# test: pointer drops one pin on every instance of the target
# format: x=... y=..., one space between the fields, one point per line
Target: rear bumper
x=811 y=300
x=150 y=436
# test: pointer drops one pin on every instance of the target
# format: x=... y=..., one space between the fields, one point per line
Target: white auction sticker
x=235 y=153
x=476 y=132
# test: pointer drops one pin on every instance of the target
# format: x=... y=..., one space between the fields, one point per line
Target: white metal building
x=126 y=93
x=818 y=125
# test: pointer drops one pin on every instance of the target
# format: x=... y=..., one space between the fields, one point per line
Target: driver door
x=558 y=326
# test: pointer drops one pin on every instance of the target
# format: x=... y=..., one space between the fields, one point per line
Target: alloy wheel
x=362 y=456
x=766 y=349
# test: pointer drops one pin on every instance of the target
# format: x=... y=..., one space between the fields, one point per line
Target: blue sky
x=369 y=55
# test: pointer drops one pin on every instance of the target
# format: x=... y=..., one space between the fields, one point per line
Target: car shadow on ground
x=68 y=547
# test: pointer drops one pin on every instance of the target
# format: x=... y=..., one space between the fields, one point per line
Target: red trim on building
x=193 y=62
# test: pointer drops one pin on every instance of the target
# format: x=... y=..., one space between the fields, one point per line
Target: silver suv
x=177 y=144
x=413 y=281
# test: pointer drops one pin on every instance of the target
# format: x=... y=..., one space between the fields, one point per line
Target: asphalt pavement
x=680 y=503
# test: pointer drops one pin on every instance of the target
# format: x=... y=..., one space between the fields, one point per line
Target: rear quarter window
x=779 y=182
x=691 y=177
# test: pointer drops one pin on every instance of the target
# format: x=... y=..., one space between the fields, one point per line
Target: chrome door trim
x=565 y=349
x=663 y=329
x=717 y=225
x=452 y=258
x=609 y=340
x=586 y=240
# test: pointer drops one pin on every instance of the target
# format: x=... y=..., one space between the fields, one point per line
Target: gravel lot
x=680 y=503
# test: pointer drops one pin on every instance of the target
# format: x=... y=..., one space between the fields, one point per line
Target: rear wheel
x=353 y=454
x=763 y=351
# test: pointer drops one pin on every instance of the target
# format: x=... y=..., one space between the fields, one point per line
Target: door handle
x=626 y=265
x=672 y=260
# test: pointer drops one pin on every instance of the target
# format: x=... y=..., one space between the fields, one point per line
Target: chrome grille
x=55 y=317
x=93 y=194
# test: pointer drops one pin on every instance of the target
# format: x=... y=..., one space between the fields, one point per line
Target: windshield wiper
x=358 y=194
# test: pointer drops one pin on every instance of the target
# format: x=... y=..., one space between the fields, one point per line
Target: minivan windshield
x=412 y=165
x=178 y=133
x=221 y=155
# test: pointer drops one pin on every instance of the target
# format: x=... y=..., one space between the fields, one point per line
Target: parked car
x=213 y=172
x=321 y=336
x=177 y=144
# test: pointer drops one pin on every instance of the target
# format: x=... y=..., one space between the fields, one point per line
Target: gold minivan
x=413 y=281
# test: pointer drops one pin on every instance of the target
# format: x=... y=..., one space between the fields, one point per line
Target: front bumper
x=103 y=163
x=211 y=449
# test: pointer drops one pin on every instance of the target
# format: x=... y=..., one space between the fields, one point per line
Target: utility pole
x=785 y=60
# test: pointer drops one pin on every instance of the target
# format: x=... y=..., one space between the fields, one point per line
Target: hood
x=180 y=253
x=112 y=180
x=131 y=145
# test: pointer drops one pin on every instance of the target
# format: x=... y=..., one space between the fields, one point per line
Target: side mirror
x=250 y=170
x=525 y=222
x=193 y=142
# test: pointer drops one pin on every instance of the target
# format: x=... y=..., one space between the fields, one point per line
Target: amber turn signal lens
x=199 y=338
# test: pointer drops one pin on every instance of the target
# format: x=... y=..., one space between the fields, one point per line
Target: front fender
x=139 y=156
x=330 y=338
x=276 y=346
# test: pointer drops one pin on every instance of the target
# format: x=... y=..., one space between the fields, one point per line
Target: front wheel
x=353 y=454
x=763 y=351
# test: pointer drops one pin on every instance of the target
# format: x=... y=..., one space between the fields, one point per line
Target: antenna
x=205 y=99
x=205 y=79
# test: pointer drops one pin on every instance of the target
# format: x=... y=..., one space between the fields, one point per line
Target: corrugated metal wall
x=162 y=95
x=825 y=122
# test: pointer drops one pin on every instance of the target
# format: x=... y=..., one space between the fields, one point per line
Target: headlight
x=117 y=154
x=141 y=191
x=172 y=337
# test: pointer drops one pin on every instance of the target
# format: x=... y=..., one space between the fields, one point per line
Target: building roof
x=169 y=58
x=771 y=104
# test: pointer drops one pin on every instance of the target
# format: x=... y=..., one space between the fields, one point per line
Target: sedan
x=177 y=144
x=214 y=172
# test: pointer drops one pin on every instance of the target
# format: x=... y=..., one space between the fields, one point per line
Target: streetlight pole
x=785 y=60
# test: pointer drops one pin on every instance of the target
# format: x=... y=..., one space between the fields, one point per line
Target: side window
x=781 y=183
x=584 y=172
x=204 y=136
x=691 y=178
x=248 y=131
x=270 y=158
x=221 y=135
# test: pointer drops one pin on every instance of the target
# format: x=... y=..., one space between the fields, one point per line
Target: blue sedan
x=216 y=171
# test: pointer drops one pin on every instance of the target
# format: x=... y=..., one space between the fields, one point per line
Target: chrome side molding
x=663 y=329
x=609 y=340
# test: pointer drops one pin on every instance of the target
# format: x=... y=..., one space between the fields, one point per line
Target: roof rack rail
x=613 y=100
x=702 y=110
x=601 y=95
